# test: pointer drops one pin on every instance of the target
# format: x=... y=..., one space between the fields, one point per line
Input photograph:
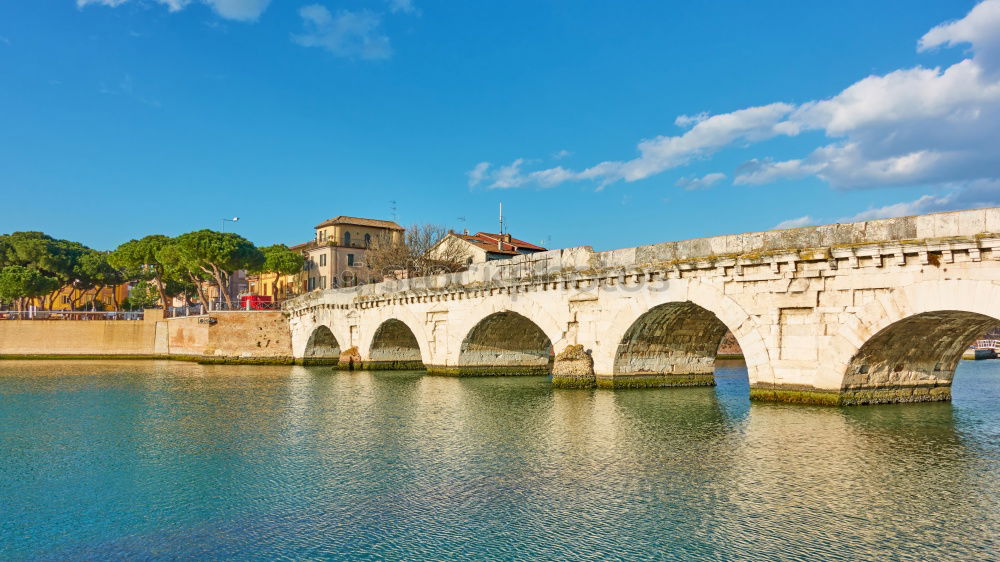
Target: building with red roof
x=481 y=247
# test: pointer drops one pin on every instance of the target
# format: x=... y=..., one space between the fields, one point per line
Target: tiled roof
x=304 y=246
x=488 y=242
x=361 y=222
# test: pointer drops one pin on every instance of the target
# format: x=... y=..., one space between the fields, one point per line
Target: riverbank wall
x=258 y=337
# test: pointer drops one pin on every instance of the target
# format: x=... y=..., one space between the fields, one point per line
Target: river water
x=163 y=460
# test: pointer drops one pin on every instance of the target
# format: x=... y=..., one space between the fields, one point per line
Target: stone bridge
x=860 y=313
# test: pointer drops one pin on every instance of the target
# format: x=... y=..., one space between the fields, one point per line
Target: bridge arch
x=670 y=337
x=322 y=347
x=505 y=343
x=671 y=344
x=905 y=345
x=394 y=346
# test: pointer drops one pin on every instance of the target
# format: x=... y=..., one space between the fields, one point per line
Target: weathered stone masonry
x=870 y=312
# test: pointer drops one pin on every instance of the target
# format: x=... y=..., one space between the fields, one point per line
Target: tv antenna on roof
x=392 y=207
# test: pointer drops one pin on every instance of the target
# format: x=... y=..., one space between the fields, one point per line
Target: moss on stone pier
x=811 y=397
x=317 y=361
x=573 y=381
x=490 y=370
x=853 y=397
x=654 y=380
x=390 y=366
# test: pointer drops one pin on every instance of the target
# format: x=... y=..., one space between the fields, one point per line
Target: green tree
x=279 y=259
x=49 y=256
x=93 y=272
x=144 y=294
x=218 y=255
x=184 y=271
x=138 y=259
x=19 y=283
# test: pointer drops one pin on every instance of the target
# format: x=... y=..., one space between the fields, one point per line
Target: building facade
x=336 y=255
x=480 y=247
x=70 y=298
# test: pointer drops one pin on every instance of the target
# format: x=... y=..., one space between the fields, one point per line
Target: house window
x=322 y=282
x=347 y=238
x=65 y=299
x=322 y=260
x=350 y=259
x=312 y=283
x=368 y=240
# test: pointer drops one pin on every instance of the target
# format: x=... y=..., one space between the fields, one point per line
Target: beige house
x=336 y=256
x=480 y=247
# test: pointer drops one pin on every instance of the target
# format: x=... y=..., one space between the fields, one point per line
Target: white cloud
x=665 y=152
x=561 y=154
x=347 y=34
x=686 y=121
x=975 y=195
x=915 y=127
x=509 y=175
x=242 y=10
x=551 y=177
x=512 y=175
x=403 y=7
x=978 y=28
x=704 y=182
x=795 y=223
x=478 y=173
x=109 y=3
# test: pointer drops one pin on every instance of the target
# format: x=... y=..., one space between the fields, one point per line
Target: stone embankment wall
x=239 y=337
x=84 y=338
x=228 y=337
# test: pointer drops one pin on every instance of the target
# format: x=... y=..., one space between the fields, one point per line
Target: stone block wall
x=260 y=336
x=97 y=338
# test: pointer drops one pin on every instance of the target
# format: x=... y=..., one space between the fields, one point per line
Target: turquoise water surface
x=175 y=460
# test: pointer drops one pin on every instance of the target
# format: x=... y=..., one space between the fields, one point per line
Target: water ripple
x=171 y=460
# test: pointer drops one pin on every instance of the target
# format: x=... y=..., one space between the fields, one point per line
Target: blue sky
x=120 y=118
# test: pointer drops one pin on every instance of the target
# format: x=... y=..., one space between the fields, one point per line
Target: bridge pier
x=573 y=368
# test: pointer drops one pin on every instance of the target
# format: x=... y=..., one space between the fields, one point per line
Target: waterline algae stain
x=145 y=459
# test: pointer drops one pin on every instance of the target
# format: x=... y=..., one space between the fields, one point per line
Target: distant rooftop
x=355 y=221
x=507 y=243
